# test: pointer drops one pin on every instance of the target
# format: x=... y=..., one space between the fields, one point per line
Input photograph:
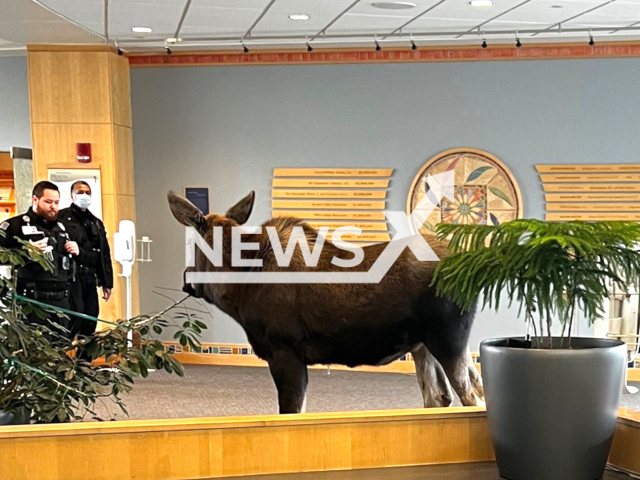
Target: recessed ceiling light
x=480 y=3
x=141 y=29
x=299 y=17
x=394 y=5
x=557 y=6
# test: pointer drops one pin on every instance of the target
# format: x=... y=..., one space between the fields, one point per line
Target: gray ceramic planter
x=552 y=413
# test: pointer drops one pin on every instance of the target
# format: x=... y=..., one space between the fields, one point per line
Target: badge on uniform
x=29 y=230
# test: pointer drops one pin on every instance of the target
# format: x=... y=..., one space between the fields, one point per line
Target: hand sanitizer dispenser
x=124 y=246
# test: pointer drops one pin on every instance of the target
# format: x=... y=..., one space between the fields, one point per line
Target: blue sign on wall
x=199 y=196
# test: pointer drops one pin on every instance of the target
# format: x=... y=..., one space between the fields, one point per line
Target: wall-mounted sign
x=323 y=195
x=591 y=192
x=485 y=193
x=199 y=196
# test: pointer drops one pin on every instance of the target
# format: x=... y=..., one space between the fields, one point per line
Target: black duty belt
x=83 y=269
x=44 y=292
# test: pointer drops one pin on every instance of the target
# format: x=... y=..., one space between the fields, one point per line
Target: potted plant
x=551 y=400
x=41 y=378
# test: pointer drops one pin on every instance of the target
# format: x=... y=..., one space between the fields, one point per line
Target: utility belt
x=45 y=291
x=83 y=269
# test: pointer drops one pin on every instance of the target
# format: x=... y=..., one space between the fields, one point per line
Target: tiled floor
x=469 y=471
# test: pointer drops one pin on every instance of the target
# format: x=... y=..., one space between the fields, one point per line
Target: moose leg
x=458 y=372
x=290 y=376
x=436 y=391
x=474 y=376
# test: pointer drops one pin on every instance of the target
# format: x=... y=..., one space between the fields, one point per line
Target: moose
x=293 y=325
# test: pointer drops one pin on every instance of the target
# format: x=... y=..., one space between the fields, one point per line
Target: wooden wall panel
x=120 y=90
x=332 y=172
x=329 y=204
x=54 y=145
x=69 y=87
x=123 y=160
x=326 y=183
x=590 y=168
x=235 y=446
x=329 y=215
x=82 y=95
x=626 y=442
x=193 y=448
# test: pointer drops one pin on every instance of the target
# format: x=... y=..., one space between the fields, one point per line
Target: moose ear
x=240 y=211
x=186 y=212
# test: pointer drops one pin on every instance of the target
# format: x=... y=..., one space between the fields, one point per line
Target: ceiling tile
x=618 y=14
x=543 y=11
x=88 y=13
x=221 y=17
x=25 y=22
x=162 y=16
x=321 y=13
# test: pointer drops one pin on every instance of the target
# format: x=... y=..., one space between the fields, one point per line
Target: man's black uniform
x=93 y=264
x=33 y=281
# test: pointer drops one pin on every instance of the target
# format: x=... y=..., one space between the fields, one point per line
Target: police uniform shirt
x=89 y=232
x=31 y=227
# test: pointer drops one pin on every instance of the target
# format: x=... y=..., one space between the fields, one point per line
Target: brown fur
x=294 y=325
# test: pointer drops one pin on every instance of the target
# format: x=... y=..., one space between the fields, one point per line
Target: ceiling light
x=299 y=17
x=394 y=5
x=481 y=3
x=173 y=40
x=141 y=29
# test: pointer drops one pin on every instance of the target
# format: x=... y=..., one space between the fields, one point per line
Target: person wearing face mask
x=94 y=260
x=40 y=227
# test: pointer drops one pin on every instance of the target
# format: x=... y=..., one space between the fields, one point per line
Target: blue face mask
x=83 y=200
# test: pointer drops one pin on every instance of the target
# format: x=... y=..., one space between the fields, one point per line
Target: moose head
x=190 y=216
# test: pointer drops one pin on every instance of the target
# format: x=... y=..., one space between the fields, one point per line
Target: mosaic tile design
x=485 y=192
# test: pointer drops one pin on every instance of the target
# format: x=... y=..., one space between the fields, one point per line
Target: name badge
x=29 y=230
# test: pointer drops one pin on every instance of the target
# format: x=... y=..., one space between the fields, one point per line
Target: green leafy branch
x=550 y=269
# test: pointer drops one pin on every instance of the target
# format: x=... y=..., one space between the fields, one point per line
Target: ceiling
x=227 y=24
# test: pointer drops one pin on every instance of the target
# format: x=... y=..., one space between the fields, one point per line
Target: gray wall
x=228 y=127
x=15 y=130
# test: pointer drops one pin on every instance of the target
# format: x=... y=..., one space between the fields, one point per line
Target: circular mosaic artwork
x=485 y=191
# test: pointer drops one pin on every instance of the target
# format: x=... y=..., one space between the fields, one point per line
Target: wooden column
x=82 y=95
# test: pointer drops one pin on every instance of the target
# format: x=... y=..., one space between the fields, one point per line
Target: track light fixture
x=591 y=42
x=518 y=42
x=378 y=47
x=120 y=52
x=245 y=49
x=413 y=44
x=484 y=41
x=168 y=50
x=309 y=47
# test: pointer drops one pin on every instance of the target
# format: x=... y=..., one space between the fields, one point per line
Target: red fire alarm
x=83 y=152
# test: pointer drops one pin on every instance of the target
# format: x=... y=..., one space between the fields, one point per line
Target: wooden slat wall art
x=329 y=194
x=335 y=197
x=328 y=204
x=320 y=183
x=373 y=226
x=594 y=192
x=330 y=215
